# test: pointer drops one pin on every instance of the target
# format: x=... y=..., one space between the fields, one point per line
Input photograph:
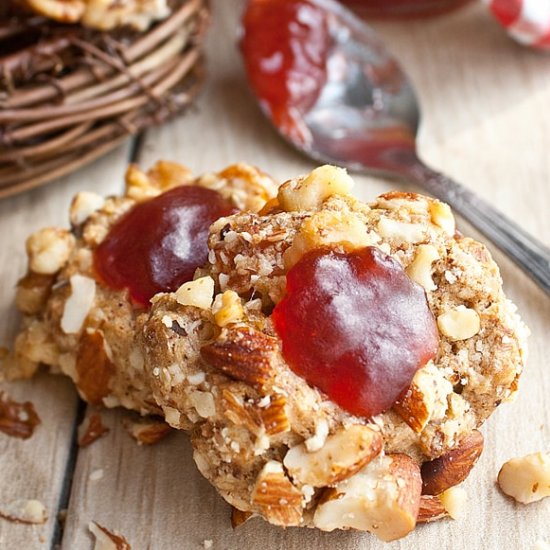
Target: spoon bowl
x=365 y=116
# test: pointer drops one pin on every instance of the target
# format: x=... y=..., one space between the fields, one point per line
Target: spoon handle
x=532 y=256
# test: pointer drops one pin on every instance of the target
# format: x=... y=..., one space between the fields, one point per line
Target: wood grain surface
x=486 y=122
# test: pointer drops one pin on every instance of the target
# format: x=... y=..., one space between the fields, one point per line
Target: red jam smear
x=285 y=46
x=355 y=326
x=158 y=245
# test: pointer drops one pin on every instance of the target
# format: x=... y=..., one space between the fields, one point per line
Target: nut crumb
x=17 y=419
x=526 y=479
x=208 y=544
x=147 y=431
x=91 y=429
x=96 y=475
x=24 y=511
x=107 y=540
x=454 y=501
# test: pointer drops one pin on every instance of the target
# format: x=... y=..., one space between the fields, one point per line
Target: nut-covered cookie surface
x=211 y=360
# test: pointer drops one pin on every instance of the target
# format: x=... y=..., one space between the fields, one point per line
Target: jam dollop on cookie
x=160 y=243
x=356 y=326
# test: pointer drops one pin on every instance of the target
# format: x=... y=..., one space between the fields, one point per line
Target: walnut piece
x=442 y=216
x=420 y=270
x=49 y=249
x=227 y=308
x=83 y=205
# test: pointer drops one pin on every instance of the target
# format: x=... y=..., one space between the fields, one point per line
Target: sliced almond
x=279 y=501
x=343 y=454
x=94 y=367
x=453 y=467
x=240 y=413
x=78 y=305
x=382 y=498
x=274 y=417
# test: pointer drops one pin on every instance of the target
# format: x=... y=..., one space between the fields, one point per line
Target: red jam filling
x=355 y=326
x=158 y=245
x=285 y=46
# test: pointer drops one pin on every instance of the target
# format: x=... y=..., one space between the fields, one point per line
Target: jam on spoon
x=355 y=326
x=158 y=245
x=285 y=45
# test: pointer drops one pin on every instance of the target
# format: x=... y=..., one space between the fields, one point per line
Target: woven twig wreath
x=69 y=94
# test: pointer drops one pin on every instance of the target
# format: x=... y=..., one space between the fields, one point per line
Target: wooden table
x=486 y=122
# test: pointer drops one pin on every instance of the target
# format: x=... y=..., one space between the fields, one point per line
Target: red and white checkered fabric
x=528 y=21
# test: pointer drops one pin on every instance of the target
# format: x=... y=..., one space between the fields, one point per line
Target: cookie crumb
x=96 y=475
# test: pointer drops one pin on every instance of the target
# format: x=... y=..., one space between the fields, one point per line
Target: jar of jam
x=402 y=8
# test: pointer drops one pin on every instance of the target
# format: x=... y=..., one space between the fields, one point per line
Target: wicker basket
x=69 y=94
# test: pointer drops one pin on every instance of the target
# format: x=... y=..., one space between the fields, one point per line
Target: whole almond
x=244 y=354
x=453 y=467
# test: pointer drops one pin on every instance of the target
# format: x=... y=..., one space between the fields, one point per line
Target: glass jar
x=402 y=8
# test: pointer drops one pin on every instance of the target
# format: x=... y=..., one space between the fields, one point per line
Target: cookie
x=76 y=324
x=276 y=446
x=331 y=360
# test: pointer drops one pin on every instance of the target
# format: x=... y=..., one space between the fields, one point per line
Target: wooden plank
x=484 y=123
x=37 y=468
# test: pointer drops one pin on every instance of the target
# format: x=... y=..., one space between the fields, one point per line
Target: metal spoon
x=366 y=118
